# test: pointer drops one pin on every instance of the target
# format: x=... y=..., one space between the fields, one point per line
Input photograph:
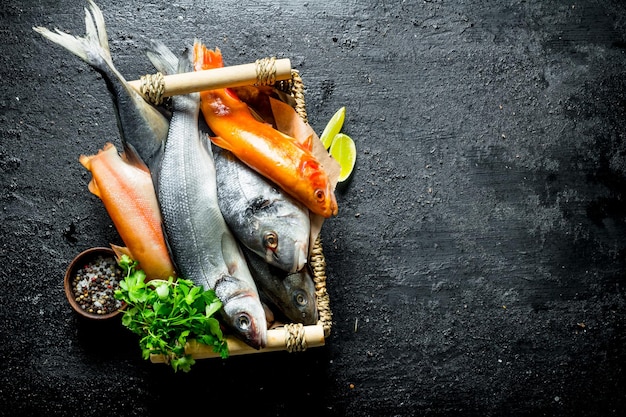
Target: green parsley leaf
x=167 y=314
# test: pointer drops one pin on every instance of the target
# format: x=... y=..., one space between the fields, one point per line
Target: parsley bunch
x=165 y=314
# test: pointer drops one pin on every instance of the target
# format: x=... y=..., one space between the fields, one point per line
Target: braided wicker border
x=317 y=261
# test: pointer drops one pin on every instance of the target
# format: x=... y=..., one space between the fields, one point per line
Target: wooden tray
x=291 y=337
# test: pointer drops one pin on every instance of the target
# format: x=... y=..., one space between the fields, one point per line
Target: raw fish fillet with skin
x=127 y=192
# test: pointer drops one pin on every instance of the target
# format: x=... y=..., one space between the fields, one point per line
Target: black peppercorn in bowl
x=90 y=283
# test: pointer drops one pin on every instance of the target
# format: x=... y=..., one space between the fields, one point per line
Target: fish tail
x=205 y=58
x=185 y=64
x=220 y=142
x=166 y=62
x=92 y=48
x=162 y=58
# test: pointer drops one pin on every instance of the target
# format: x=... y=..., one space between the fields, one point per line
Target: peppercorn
x=95 y=284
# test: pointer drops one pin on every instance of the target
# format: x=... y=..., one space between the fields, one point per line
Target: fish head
x=321 y=195
x=325 y=199
x=285 y=240
x=301 y=292
x=279 y=231
x=243 y=313
x=283 y=250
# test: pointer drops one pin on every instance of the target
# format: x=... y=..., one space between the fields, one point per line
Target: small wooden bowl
x=85 y=258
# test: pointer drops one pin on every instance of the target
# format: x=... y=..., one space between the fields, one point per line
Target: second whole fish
x=203 y=248
x=264 y=218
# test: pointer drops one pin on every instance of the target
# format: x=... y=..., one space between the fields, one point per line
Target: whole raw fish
x=142 y=127
x=293 y=294
x=279 y=157
x=127 y=193
x=263 y=217
x=201 y=244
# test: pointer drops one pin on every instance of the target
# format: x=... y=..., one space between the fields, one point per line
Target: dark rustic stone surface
x=477 y=264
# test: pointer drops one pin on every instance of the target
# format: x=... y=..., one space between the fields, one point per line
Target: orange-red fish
x=278 y=157
x=125 y=187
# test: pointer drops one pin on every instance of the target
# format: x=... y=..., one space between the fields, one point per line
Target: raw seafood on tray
x=235 y=209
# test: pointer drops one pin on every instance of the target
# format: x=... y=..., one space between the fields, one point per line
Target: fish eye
x=320 y=195
x=243 y=322
x=270 y=240
x=300 y=299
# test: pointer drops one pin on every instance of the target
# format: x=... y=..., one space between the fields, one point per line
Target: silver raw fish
x=292 y=294
x=143 y=128
x=203 y=248
x=264 y=218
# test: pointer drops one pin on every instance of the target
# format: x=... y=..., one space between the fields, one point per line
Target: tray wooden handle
x=232 y=76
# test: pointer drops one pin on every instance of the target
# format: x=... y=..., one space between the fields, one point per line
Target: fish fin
x=255 y=114
x=121 y=250
x=205 y=58
x=205 y=139
x=131 y=157
x=92 y=48
x=306 y=144
x=93 y=188
x=162 y=57
x=235 y=261
x=221 y=143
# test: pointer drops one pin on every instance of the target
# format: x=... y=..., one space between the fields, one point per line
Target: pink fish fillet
x=126 y=190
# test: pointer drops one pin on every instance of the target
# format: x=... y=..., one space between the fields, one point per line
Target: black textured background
x=477 y=264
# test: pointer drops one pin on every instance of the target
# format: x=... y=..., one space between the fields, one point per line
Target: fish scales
x=185 y=192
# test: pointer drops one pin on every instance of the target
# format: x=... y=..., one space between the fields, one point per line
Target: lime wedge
x=343 y=150
x=333 y=127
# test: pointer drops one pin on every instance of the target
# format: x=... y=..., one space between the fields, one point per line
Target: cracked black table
x=476 y=266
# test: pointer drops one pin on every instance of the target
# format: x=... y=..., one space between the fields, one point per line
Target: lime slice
x=333 y=127
x=343 y=150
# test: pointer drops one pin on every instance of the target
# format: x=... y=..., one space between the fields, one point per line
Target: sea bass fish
x=281 y=158
x=293 y=294
x=203 y=248
x=143 y=128
x=264 y=218
x=127 y=193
